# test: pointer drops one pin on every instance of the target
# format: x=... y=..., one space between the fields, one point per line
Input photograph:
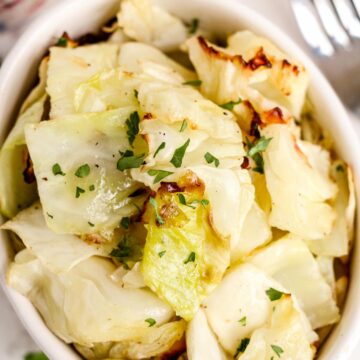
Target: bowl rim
x=348 y=334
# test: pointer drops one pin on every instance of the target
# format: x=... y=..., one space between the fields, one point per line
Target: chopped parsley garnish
x=161 y=146
x=159 y=174
x=191 y=258
x=182 y=201
x=133 y=126
x=159 y=219
x=162 y=253
x=130 y=161
x=179 y=154
x=136 y=94
x=36 y=356
x=83 y=171
x=151 y=322
x=274 y=294
x=242 y=321
x=123 y=249
x=91 y=187
x=56 y=169
x=91 y=224
x=203 y=202
x=254 y=151
x=125 y=222
x=193 y=82
x=79 y=191
x=62 y=41
x=277 y=350
x=230 y=105
x=49 y=215
x=211 y=159
x=193 y=25
x=340 y=168
x=242 y=347
x=183 y=126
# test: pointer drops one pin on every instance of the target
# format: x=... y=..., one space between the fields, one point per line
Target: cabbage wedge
x=299 y=188
x=290 y=262
x=183 y=257
x=145 y=22
x=68 y=67
x=283 y=336
x=79 y=184
x=84 y=305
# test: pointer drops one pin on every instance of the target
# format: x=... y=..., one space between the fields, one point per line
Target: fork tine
x=348 y=17
x=331 y=23
x=310 y=27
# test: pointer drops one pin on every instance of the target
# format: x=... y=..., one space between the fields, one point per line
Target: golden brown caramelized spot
x=169 y=211
x=93 y=238
x=253 y=64
x=28 y=173
x=147 y=116
x=294 y=68
x=245 y=164
x=274 y=116
x=175 y=351
x=191 y=183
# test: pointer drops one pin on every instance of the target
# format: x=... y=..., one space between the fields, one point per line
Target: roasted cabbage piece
x=201 y=342
x=144 y=21
x=164 y=340
x=84 y=305
x=80 y=187
x=299 y=188
x=283 y=336
x=287 y=80
x=17 y=185
x=290 y=262
x=337 y=242
x=183 y=259
x=57 y=252
x=133 y=56
x=242 y=303
x=68 y=67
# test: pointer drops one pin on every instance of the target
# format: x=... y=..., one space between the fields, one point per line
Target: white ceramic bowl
x=222 y=16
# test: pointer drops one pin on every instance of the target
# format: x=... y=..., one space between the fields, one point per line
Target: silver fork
x=325 y=23
x=332 y=30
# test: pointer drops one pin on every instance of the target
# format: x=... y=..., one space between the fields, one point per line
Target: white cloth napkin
x=14 y=341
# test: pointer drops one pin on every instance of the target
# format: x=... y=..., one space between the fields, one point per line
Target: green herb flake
x=136 y=94
x=202 y=202
x=255 y=150
x=184 y=125
x=162 y=253
x=159 y=174
x=49 y=215
x=123 y=249
x=193 y=25
x=211 y=159
x=182 y=200
x=274 y=294
x=242 y=347
x=130 y=161
x=193 y=82
x=191 y=258
x=91 y=224
x=91 y=187
x=83 y=171
x=133 y=126
x=56 y=169
x=340 y=168
x=125 y=222
x=159 y=219
x=230 y=105
x=242 y=321
x=62 y=42
x=79 y=191
x=151 y=322
x=277 y=350
x=36 y=356
x=161 y=146
x=179 y=154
